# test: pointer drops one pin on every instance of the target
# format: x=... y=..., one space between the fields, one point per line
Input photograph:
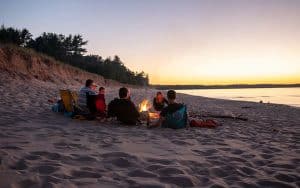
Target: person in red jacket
x=100 y=102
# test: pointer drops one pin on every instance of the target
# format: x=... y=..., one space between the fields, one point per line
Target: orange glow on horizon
x=263 y=63
x=254 y=45
x=213 y=81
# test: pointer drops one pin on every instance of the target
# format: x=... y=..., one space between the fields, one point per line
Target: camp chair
x=177 y=119
x=69 y=99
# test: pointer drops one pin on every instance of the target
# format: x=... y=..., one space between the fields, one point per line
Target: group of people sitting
x=91 y=104
x=172 y=114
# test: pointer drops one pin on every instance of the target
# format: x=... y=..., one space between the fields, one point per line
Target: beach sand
x=39 y=148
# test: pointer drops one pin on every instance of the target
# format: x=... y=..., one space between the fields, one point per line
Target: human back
x=174 y=115
x=123 y=108
x=84 y=92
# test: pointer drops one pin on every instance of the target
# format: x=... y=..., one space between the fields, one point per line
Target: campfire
x=144 y=109
x=145 y=106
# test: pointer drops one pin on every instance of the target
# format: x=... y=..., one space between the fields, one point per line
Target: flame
x=145 y=105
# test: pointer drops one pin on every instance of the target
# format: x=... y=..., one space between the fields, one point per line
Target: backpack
x=58 y=107
x=177 y=119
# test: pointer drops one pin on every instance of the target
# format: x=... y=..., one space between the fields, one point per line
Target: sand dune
x=39 y=148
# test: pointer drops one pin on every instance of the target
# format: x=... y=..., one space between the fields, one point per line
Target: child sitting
x=100 y=102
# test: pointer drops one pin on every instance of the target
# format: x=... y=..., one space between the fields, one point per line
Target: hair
x=123 y=91
x=101 y=88
x=158 y=93
x=171 y=94
x=88 y=83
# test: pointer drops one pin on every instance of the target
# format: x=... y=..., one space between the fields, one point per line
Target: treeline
x=233 y=86
x=70 y=49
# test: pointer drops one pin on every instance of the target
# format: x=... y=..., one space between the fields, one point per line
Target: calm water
x=289 y=96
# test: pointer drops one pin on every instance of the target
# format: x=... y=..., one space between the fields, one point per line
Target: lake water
x=288 y=96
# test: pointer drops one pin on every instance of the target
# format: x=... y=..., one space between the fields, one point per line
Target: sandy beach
x=68 y=67
x=40 y=148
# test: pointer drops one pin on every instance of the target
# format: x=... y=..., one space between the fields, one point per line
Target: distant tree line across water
x=233 y=86
x=70 y=49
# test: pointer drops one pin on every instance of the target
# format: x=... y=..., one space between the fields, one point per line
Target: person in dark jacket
x=123 y=108
x=172 y=107
x=159 y=102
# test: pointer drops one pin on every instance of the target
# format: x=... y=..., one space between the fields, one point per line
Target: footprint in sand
x=273 y=184
x=107 y=142
x=168 y=171
x=120 y=159
x=48 y=155
x=27 y=183
x=45 y=169
x=155 y=167
x=11 y=147
x=247 y=185
x=237 y=151
x=141 y=173
x=266 y=156
x=20 y=165
x=50 y=179
x=248 y=156
x=237 y=159
x=260 y=163
x=84 y=174
x=160 y=161
x=32 y=157
x=122 y=162
x=219 y=172
x=207 y=152
x=62 y=145
x=180 y=142
x=217 y=186
x=247 y=170
x=225 y=149
x=118 y=154
x=231 y=178
x=283 y=166
x=180 y=180
x=285 y=177
x=83 y=158
x=204 y=181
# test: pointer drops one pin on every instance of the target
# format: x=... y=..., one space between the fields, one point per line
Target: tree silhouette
x=70 y=49
x=14 y=36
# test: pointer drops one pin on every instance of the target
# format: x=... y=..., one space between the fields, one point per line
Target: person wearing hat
x=86 y=96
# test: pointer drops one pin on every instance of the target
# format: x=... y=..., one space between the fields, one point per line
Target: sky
x=178 y=41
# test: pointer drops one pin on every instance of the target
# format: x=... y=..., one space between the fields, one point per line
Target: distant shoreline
x=237 y=86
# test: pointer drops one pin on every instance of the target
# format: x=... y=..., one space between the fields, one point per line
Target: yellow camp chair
x=69 y=99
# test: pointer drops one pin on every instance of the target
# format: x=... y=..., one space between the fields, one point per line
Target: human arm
x=134 y=110
x=166 y=101
x=160 y=120
x=111 y=109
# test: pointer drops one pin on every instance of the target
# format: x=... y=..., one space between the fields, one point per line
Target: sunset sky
x=178 y=41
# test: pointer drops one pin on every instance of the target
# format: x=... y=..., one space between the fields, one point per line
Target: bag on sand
x=177 y=119
x=58 y=107
x=204 y=124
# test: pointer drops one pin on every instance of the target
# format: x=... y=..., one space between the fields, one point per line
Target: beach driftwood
x=227 y=117
x=219 y=116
